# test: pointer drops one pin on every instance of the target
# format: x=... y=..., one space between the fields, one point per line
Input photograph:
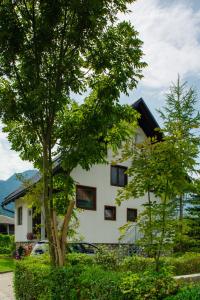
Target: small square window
x=131 y=215
x=118 y=176
x=110 y=213
x=19 y=215
x=86 y=197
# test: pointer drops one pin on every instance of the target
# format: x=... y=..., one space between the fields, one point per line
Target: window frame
x=20 y=215
x=115 y=212
x=125 y=175
x=94 y=208
x=132 y=209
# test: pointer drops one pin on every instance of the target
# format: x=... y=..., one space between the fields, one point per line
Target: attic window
x=118 y=176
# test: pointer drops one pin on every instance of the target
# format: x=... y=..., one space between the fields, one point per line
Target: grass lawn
x=6 y=263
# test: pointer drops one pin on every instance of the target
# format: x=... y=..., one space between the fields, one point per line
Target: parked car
x=42 y=247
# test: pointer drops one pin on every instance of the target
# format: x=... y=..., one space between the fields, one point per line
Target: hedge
x=188 y=263
x=35 y=279
x=6 y=244
x=187 y=293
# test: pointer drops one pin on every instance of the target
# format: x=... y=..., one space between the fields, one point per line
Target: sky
x=170 y=31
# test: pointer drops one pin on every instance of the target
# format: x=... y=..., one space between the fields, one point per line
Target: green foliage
x=188 y=263
x=150 y=285
x=80 y=259
x=193 y=218
x=181 y=119
x=157 y=227
x=4 y=250
x=137 y=264
x=187 y=293
x=95 y=283
x=5 y=240
x=35 y=279
x=161 y=170
x=108 y=259
x=155 y=171
x=6 y=244
x=50 y=51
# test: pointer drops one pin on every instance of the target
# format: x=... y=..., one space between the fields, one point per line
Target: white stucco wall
x=22 y=230
x=93 y=228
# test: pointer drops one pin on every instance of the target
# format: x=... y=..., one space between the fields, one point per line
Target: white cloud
x=9 y=160
x=171 y=35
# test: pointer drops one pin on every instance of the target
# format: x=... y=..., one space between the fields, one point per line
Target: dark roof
x=146 y=121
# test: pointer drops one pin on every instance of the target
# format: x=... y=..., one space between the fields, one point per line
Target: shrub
x=187 y=293
x=150 y=285
x=4 y=250
x=80 y=259
x=108 y=259
x=35 y=279
x=136 y=264
x=5 y=241
x=189 y=263
x=95 y=283
x=6 y=244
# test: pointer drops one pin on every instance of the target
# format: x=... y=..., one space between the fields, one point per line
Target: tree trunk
x=65 y=227
x=181 y=223
x=150 y=223
x=48 y=221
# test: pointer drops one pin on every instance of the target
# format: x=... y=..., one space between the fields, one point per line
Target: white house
x=100 y=217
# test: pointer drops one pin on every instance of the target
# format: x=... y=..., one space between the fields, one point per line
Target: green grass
x=6 y=263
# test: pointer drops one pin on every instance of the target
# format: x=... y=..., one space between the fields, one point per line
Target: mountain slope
x=10 y=185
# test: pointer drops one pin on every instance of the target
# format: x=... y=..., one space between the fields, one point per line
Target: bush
x=80 y=259
x=36 y=280
x=108 y=259
x=95 y=283
x=5 y=241
x=150 y=285
x=187 y=293
x=4 y=250
x=136 y=264
x=6 y=244
x=189 y=263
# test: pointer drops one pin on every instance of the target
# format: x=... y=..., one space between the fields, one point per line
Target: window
x=3 y=229
x=109 y=212
x=118 y=176
x=86 y=197
x=131 y=214
x=19 y=216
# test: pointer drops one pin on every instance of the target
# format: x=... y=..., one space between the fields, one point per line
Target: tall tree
x=181 y=119
x=50 y=50
x=156 y=172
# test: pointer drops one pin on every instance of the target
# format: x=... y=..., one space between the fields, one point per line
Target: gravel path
x=6 y=289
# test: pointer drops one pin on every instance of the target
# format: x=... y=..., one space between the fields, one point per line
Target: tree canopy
x=49 y=51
